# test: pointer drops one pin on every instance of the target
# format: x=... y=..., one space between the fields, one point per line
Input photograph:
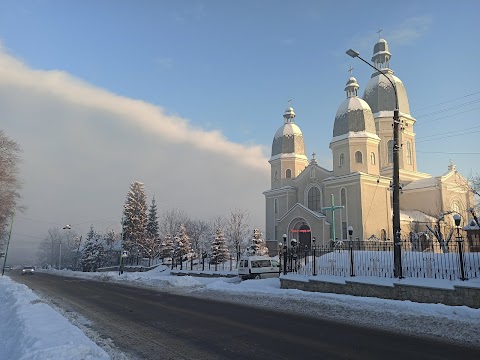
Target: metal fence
x=420 y=259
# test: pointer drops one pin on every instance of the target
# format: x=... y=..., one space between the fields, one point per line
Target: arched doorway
x=300 y=230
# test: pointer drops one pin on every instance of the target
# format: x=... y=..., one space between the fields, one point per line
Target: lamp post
x=314 y=247
x=397 y=250
x=280 y=247
x=285 y=255
x=350 y=233
x=457 y=220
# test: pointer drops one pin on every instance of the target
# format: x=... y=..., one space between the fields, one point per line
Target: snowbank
x=32 y=330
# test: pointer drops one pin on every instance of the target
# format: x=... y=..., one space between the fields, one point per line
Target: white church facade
x=307 y=201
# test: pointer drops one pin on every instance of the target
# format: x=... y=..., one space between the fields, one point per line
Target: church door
x=304 y=237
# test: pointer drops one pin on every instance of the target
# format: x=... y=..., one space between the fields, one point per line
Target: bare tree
x=237 y=229
x=171 y=220
x=10 y=184
x=198 y=232
x=58 y=248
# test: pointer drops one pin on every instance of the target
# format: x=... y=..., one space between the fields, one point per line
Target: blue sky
x=225 y=68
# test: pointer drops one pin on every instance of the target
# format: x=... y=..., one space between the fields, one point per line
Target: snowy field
x=31 y=327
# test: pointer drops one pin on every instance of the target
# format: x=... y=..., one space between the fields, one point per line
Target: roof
x=421 y=184
x=380 y=95
x=415 y=215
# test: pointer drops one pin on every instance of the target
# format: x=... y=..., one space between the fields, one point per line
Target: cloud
x=411 y=29
x=83 y=146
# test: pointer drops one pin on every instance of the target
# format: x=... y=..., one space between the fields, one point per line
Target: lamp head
x=293 y=242
x=352 y=53
x=284 y=237
x=350 y=230
x=313 y=239
x=457 y=219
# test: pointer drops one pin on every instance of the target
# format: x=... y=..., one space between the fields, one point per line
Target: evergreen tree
x=152 y=230
x=183 y=245
x=257 y=247
x=134 y=219
x=219 y=248
x=93 y=253
x=167 y=246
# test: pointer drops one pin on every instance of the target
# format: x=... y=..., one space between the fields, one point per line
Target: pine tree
x=167 y=246
x=182 y=242
x=134 y=219
x=152 y=229
x=93 y=253
x=219 y=248
x=257 y=247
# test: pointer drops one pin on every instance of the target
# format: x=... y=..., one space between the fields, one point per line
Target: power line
x=447 y=116
x=448 y=109
x=444 y=102
x=448 y=136
x=449 y=153
x=449 y=133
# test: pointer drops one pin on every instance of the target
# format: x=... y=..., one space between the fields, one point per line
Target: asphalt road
x=148 y=324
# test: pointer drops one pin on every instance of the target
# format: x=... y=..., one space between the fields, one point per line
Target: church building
x=307 y=201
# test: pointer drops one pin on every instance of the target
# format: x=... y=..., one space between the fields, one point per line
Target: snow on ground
x=459 y=324
x=30 y=329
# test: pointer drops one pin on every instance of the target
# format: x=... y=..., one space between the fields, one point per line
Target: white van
x=258 y=267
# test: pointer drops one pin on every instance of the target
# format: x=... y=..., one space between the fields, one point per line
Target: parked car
x=28 y=270
x=258 y=267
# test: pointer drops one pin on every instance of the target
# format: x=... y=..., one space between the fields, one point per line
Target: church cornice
x=315 y=214
x=280 y=191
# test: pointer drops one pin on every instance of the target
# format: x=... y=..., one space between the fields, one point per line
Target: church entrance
x=302 y=233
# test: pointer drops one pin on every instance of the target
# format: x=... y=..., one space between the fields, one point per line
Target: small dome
x=288 y=138
x=354 y=114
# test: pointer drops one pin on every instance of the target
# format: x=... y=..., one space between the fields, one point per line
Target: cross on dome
x=350 y=70
x=379 y=32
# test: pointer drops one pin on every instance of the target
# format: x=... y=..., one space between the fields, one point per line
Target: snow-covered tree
x=219 y=250
x=171 y=220
x=182 y=242
x=167 y=246
x=152 y=229
x=134 y=219
x=198 y=231
x=93 y=253
x=257 y=246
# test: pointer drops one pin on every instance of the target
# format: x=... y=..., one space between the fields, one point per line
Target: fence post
x=285 y=259
x=460 y=254
x=352 y=271
x=314 y=262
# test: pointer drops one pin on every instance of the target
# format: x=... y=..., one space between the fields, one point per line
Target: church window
x=358 y=157
x=390 y=151
x=409 y=153
x=314 y=199
x=288 y=174
x=372 y=158
x=275 y=176
x=342 y=160
x=275 y=206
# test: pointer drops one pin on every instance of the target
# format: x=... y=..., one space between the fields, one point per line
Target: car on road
x=28 y=270
x=258 y=267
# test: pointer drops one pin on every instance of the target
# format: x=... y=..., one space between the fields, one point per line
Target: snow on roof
x=472 y=225
x=415 y=215
x=288 y=155
x=357 y=134
x=288 y=129
x=352 y=104
x=421 y=184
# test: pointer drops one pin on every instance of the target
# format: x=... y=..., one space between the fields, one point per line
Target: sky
x=40 y=324
x=186 y=97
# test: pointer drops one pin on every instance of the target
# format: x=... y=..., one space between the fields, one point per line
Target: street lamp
x=458 y=220
x=350 y=233
x=397 y=250
x=314 y=246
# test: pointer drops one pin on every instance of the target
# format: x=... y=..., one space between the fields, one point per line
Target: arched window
x=390 y=151
x=358 y=157
x=288 y=173
x=342 y=160
x=314 y=199
x=409 y=153
x=372 y=158
x=383 y=235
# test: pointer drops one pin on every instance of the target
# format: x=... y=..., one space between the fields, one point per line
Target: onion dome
x=354 y=114
x=379 y=93
x=288 y=138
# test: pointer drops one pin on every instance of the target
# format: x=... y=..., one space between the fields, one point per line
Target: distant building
x=299 y=201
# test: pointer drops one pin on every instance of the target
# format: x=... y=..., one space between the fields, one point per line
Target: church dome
x=354 y=114
x=379 y=93
x=288 y=138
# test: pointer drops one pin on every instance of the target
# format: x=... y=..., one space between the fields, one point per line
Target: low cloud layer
x=83 y=146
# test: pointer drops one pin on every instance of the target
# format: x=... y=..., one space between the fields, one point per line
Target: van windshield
x=261 y=263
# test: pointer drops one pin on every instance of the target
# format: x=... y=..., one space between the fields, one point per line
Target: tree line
x=146 y=235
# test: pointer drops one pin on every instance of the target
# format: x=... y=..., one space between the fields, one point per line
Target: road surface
x=148 y=324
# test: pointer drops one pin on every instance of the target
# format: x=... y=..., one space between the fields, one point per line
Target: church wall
x=338 y=148
x=385 y=132
x=285 y=201
x=427 y=200
x=376 y=208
